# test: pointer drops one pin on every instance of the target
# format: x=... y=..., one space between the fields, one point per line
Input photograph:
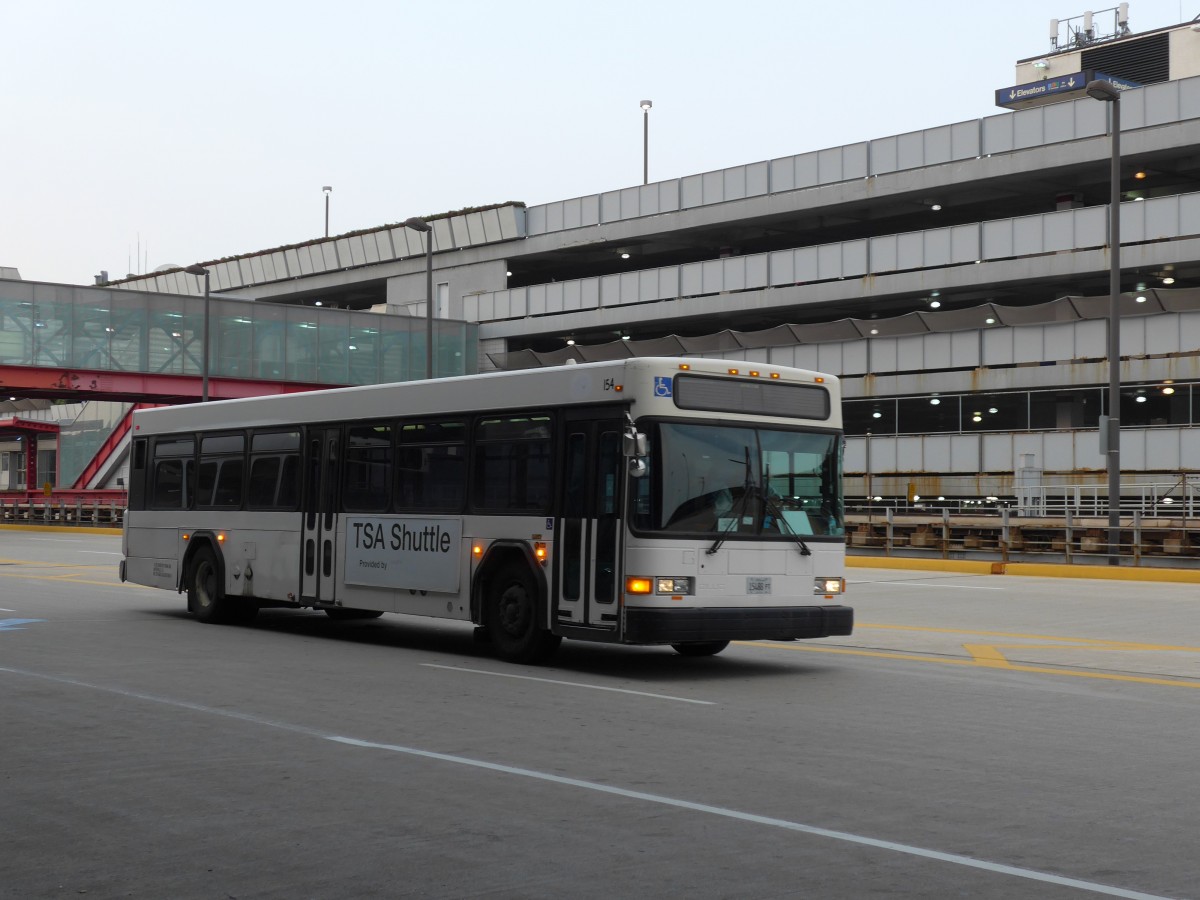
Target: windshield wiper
x=773 y=508
x=769 y=506
x=747 y=489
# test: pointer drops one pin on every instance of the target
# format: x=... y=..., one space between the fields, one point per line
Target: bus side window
x=367 y=472
x=138 y=473
x=228 y=492
x=168 y=492
x=448 y=478
x=220 y=482
x=264 y=473
x=513 y=470
x=206 y=477
x=274 y=470
x=431 y=467
x=288 y=496
x=172 y=472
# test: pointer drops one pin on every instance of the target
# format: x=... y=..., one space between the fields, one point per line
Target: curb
x=1036 y=570
x=73 y=529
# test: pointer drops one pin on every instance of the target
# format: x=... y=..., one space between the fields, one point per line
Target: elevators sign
x=411 y=554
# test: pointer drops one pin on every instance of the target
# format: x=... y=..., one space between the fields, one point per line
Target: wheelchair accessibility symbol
x=662 y=385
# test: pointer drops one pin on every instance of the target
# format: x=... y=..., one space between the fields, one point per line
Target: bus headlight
x=673 y=585
x=829 y=586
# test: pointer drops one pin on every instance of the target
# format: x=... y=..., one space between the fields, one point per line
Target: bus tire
x=342 y=613
x=513 y=618
x=700 y=648
x=206 y=600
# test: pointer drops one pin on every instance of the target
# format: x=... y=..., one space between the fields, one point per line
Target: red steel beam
x=16 y=423
x=82 y=384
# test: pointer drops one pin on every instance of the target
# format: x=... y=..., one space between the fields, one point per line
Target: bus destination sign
x=413 y=554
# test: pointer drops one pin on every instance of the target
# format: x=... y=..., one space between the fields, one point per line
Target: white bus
x=687 y=502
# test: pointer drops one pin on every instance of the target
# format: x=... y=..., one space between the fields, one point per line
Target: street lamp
x=197 y=269
x=1107 y=93
x=328 y=190
x=421 y=225
x=646 y=104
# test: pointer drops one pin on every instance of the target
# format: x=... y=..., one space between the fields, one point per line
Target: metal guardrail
x=1007 y=537
x=1178 y=497
x=96 y=512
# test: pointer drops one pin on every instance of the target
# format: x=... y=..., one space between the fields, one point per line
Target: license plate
x=758 y=585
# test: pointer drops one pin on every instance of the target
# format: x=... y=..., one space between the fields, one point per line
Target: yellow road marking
x=1096 y=642
x=73 y=578
x=951 y=661
x=113 y=583
x=989 y=654
x=49 y=565
x=986 y=655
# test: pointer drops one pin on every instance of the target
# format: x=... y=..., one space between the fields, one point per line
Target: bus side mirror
x=635 y=445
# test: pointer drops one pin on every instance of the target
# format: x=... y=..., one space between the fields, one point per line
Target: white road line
x=59 y=540
x=847 y=837
x=591 y=687
x=102 y=552
x=7 y=610
x=907 y=849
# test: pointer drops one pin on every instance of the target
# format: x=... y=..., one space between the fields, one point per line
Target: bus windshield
x=741 y=481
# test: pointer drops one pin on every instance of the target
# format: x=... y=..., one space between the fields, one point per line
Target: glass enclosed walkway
x=70 y=329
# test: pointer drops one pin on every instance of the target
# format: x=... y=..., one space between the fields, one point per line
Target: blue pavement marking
x=17 y=624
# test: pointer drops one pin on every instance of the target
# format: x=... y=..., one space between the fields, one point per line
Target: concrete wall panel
x=936 y=453
x=1162 y=450
x=997 y=452
x=966 y=453
x=1059 y=450
x=909 y=454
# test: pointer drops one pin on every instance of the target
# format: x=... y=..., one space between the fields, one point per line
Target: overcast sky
x=197 y=131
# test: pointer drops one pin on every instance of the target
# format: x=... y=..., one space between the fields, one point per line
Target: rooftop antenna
x=1084 y=30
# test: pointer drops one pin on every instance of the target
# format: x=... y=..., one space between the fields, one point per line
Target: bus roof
x=585 y=383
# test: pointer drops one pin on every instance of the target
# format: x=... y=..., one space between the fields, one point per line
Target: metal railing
x=1176 y=498
x=97 y=511
x=1011 y=537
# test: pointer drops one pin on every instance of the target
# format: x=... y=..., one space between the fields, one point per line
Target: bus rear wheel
x=513 y=618
x=205 y=599
x=700 y=648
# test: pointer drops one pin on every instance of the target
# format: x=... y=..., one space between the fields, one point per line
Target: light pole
x=198 y=269
x=646 y=104
x=328 y=189
x=1107 y=93
x=424 y=227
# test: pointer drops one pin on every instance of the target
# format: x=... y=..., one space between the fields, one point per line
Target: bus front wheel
x=700 y=648
x=513 y=620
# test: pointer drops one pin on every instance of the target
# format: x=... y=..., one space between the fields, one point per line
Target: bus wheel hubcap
x=513 y=613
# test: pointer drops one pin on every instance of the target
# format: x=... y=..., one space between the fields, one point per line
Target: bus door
x=318 y=555
x=588 y=533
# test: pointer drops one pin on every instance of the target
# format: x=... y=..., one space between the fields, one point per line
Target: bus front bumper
x=672 y=626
